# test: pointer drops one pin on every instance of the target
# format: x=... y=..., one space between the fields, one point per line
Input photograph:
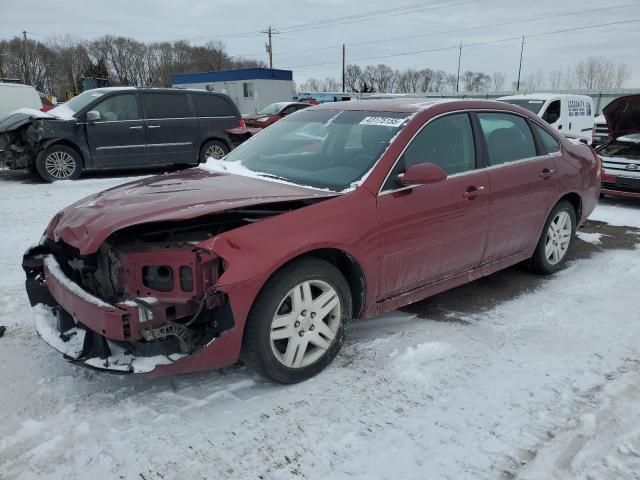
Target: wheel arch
x=576 y=202
x=62 y=141
x=346 y=264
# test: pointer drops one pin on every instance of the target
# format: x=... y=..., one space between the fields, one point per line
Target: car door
x=118 y=138
x=522 y=184
x=172 y=129
x=430 y=232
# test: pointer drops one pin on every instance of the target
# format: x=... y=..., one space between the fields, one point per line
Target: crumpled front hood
x=22 y=116
x=623 y=116
x=177 y=196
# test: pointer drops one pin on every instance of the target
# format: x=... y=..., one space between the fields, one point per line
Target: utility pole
x=270 y=32
x=459 y=60
x=343 y=65
x=27 y=80
x=520 y=67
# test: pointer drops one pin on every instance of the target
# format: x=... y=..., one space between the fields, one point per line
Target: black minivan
x=122 y=127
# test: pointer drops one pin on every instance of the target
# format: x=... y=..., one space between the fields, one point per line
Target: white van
x=14 y=96
x=567 y=113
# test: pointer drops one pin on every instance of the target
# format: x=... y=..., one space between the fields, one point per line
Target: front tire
x=298 y=322
x=59 y=162
x=556 y=239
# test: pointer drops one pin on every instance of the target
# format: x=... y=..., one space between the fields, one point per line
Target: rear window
x=166 y=105
x=550 y=143
x=508 y=137
x=212 y=106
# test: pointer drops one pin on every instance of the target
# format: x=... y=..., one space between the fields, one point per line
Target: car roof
x=542 y=96
x=414 y=104
x=154 y=89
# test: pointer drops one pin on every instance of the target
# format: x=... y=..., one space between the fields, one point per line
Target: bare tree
x=475 y=81
x=498 y=79
x=597 y=73
x=352 y=78
x=555 y=79
x=311 y=85
x=533 y=81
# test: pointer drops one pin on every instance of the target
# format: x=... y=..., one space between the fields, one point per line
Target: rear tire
x=59 y=162
x=213 y=148
x=556 y=240
x=298 y=322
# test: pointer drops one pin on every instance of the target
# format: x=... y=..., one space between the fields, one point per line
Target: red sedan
x=344 y=210
x=272 y=113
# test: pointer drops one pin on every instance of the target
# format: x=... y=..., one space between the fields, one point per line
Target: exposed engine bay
x=158 y=276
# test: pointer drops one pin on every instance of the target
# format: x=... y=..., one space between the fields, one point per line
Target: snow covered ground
x=544 y=385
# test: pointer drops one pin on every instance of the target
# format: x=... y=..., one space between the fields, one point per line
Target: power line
x=457 y=30
x=476 y=44
x=383 y=13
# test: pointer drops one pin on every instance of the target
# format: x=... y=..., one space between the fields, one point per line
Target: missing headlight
x=158 y=277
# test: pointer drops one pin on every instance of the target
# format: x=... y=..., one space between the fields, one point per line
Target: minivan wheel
x=59 y=162
x=213 y=148
x=298 y=322
x=556 y=240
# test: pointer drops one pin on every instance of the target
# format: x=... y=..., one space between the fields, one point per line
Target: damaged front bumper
x=113 y=337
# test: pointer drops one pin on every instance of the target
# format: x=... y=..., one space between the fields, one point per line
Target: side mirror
x=93 y=116
x=422 y=174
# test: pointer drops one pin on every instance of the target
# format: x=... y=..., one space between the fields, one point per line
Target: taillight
x=242 y=124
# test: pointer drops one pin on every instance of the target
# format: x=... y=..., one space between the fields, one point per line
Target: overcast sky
x=433 y=20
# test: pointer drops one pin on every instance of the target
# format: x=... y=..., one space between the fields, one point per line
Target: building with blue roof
x=251 y=89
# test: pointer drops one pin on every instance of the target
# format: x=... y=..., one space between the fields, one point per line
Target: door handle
x=473 y=192
x=153 y=126
x=559 y=127
x=138 y=127
x=547 y=173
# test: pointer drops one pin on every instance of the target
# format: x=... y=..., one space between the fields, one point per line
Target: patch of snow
x=621 y=212
x=46 y=325
x=593 y=238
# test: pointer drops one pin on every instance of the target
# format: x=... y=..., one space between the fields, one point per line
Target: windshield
x=273 y=108
x=79 y=102
x=329 y=149
x=528 y=103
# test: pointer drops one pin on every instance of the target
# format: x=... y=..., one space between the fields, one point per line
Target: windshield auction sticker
x=382 y=121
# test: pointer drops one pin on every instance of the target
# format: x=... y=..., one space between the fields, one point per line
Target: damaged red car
x=339 y=211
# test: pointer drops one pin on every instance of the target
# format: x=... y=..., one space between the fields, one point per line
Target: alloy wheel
x=215 y=151
x=60 y=164
x=558 y=238
x=305 y=324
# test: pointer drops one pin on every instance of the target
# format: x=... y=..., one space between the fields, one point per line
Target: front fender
x=347 y=223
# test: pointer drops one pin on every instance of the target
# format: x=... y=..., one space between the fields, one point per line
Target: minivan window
x=508 y=137
x=549 y=141
x=210 y=105
x=166 y=105
x=118 y=108
x=447 y=142
x=78 y=102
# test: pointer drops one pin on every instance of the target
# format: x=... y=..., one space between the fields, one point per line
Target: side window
x=247 y=89
x=288 y=111
x=212 y=106
x=165 y=105
x=446 y=141
x=552 y=114
x=549 y=141
x=118 y=108
x=508 y=137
